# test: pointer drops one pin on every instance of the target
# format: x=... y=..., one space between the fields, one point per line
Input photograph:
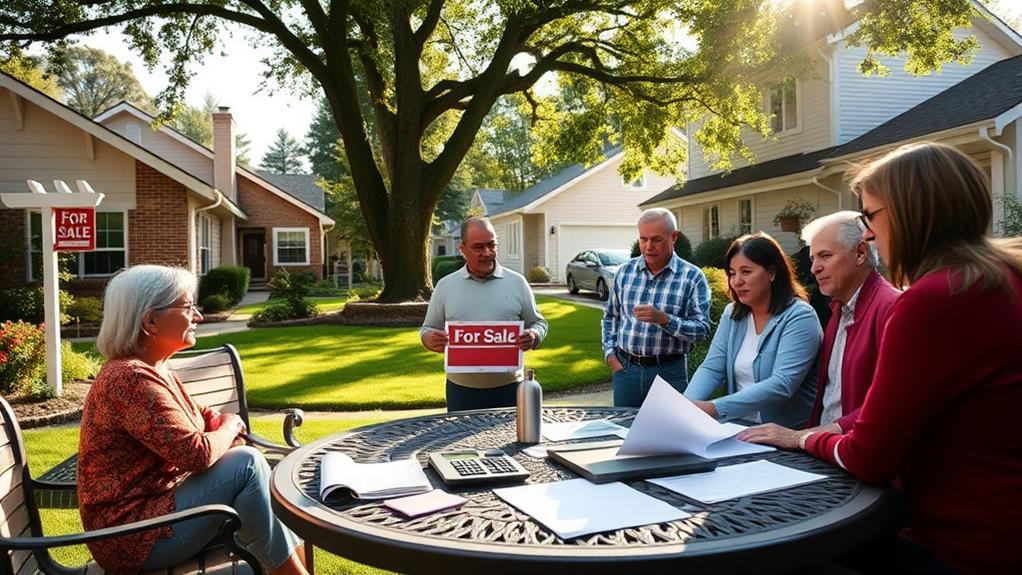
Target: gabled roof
x=296 y=197
x=115 y=140
x=491 y=199
x=985 y=95
x=301 y=186
x=546 y=189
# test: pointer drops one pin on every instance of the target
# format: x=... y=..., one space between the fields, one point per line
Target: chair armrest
x=231 y=517
x=265 y=444
x=292 y=418
x=54 y=485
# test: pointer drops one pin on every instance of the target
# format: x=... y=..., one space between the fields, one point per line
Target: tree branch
x=428 y=23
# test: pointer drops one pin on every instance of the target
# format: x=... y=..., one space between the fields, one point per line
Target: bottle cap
x=530 y=373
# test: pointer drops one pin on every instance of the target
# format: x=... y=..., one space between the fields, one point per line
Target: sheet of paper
x=540 y=451
x=425 y=503
x=669 y=423
x=582 y=429
x=733 y=481
x=567 y=507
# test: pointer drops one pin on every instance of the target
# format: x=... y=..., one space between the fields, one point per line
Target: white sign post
x=45 y=202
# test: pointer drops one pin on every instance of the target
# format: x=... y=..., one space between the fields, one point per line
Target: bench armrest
x=292 y=418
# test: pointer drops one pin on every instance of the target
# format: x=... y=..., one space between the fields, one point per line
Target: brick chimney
x=224 y=174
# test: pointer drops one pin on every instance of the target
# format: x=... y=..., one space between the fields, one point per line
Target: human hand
x=772 y=434
x=614 y=363
x=232 y=421
x=650 y=314
x=435 y=340
x=528 y=340
x=707 y=407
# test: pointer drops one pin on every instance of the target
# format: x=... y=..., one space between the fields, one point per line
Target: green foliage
x=323 y=144
x=683 y=247
x=797 y=208
x=1011 y=225
x=85 y=309
x=77 y=365
x=538 y=275
x=214 y=303
x=27 y=304
x=445 y=268
x=710 y=253
x=293 y=288
x=230 y=281
x=94 y=81
x=459 y=259
x=717 y=278
x=29 y=70
x=22 y=356
x=283 y=156
x=635 y=249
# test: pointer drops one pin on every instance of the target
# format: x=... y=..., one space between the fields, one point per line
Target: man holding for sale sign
x=487 y=295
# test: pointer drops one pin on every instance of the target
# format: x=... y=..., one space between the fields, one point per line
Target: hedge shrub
x=437 y=261
x=26 y=304
x=22 y=356
x=214 y=303
x=230 y=281
x=538 y=274
x=86 y=309
x=710 y=253
x=293 y=288
x=717 y=278
x=446 y=268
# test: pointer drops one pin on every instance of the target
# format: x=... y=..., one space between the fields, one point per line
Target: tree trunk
x=405 y=261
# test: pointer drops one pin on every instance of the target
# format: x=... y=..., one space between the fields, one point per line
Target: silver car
x=594 y=270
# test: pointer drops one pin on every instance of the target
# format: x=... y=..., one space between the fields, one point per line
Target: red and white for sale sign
x=483 y=346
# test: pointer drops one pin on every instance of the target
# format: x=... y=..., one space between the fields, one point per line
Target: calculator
x=476 y=466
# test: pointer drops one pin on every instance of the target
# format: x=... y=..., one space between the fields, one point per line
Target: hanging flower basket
x=794 y=212
x=789 y=224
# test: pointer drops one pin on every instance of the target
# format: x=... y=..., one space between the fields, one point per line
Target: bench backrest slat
x=213 y=378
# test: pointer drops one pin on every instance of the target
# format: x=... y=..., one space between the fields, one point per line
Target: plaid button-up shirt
x=680 y=290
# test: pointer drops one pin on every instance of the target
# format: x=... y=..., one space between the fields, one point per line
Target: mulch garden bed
x=68 y=407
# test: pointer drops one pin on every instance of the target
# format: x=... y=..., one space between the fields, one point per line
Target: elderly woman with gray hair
x=147 y=449
x=844 y=265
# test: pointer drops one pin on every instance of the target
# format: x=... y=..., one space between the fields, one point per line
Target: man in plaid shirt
x=658 y=306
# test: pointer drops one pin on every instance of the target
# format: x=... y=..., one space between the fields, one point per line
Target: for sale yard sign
x=76 y=229
x=483 y=346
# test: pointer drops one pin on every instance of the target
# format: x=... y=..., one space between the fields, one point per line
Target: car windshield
x=613 y=258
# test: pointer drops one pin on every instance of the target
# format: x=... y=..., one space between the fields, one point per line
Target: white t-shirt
x=832 y=409
x=744 y=375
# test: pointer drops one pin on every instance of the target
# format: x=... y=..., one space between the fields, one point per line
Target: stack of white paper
x=734 y=481
x=668 y=423
x=577 y=507
x=371 y=480
x=582 y=429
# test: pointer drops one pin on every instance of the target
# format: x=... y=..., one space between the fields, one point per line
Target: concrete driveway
x=583 y=297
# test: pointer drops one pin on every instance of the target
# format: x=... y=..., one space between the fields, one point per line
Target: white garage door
x=572 y=239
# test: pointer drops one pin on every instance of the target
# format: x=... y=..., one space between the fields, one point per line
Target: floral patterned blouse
x=141 y=437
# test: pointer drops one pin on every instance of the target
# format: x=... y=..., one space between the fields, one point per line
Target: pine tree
x=322 y=144
x=284 y=155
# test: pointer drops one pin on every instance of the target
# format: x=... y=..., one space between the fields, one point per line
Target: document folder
x=605 y=465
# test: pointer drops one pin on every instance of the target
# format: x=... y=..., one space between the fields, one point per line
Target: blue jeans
x=461 y=398
x=632 y=383
x=241 y=479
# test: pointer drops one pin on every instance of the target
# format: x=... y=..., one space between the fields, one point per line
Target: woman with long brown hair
x=940 y=415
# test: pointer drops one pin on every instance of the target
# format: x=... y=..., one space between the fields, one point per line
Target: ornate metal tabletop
x=770 y=532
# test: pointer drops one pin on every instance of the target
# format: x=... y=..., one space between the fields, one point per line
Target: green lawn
x=344 y=368
x=49 y=446
x=323 y=304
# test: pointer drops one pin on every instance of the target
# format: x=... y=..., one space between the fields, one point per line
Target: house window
x=110 y=254
x=441 y=250
x=711 y=222
x=745 y=216
x=291 y=246
x=514 y=240
x=205 y=237
x=133 y=132
x=783 y=105
x=636 y=184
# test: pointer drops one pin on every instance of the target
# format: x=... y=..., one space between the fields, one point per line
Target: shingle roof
x=492 y=198
x=544 y=187
x=300 y=186
x=984 y=95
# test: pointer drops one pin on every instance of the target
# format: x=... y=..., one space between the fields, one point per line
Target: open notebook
x=337 y=471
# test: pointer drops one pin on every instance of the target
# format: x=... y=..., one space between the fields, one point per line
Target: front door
x=253 y=253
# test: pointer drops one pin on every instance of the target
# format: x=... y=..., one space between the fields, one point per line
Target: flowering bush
x=22 y=355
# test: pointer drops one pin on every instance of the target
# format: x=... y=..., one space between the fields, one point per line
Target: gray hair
x=474 y=221
x=664 y=214
x=129 y=296
x=849 y=232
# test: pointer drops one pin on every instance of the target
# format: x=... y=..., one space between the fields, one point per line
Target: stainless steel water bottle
x=530 y=408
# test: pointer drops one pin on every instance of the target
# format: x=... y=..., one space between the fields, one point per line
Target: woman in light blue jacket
x=766 y=345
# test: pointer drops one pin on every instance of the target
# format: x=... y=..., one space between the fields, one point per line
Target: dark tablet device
x=605 y=465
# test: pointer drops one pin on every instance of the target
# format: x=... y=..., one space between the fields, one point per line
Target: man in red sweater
x=845 y=269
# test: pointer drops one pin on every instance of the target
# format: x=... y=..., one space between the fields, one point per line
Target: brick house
x=169 y=200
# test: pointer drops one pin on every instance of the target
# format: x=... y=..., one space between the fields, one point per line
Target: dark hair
x=765 y=251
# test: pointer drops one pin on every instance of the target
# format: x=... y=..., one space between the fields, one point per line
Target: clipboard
x=604 y=465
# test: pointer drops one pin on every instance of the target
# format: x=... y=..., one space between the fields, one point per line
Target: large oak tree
x=428 y=71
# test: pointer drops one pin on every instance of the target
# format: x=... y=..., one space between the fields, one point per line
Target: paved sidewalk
x=237 y=322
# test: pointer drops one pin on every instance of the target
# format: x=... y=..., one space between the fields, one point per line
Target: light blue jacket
x=784 y=368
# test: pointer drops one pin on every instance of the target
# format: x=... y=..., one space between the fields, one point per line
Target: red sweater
x=942 y=414
x=862 y=345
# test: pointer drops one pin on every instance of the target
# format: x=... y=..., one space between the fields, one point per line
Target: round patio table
x=767 y=533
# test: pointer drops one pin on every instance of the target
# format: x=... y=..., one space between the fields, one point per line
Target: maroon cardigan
x=862 y=346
